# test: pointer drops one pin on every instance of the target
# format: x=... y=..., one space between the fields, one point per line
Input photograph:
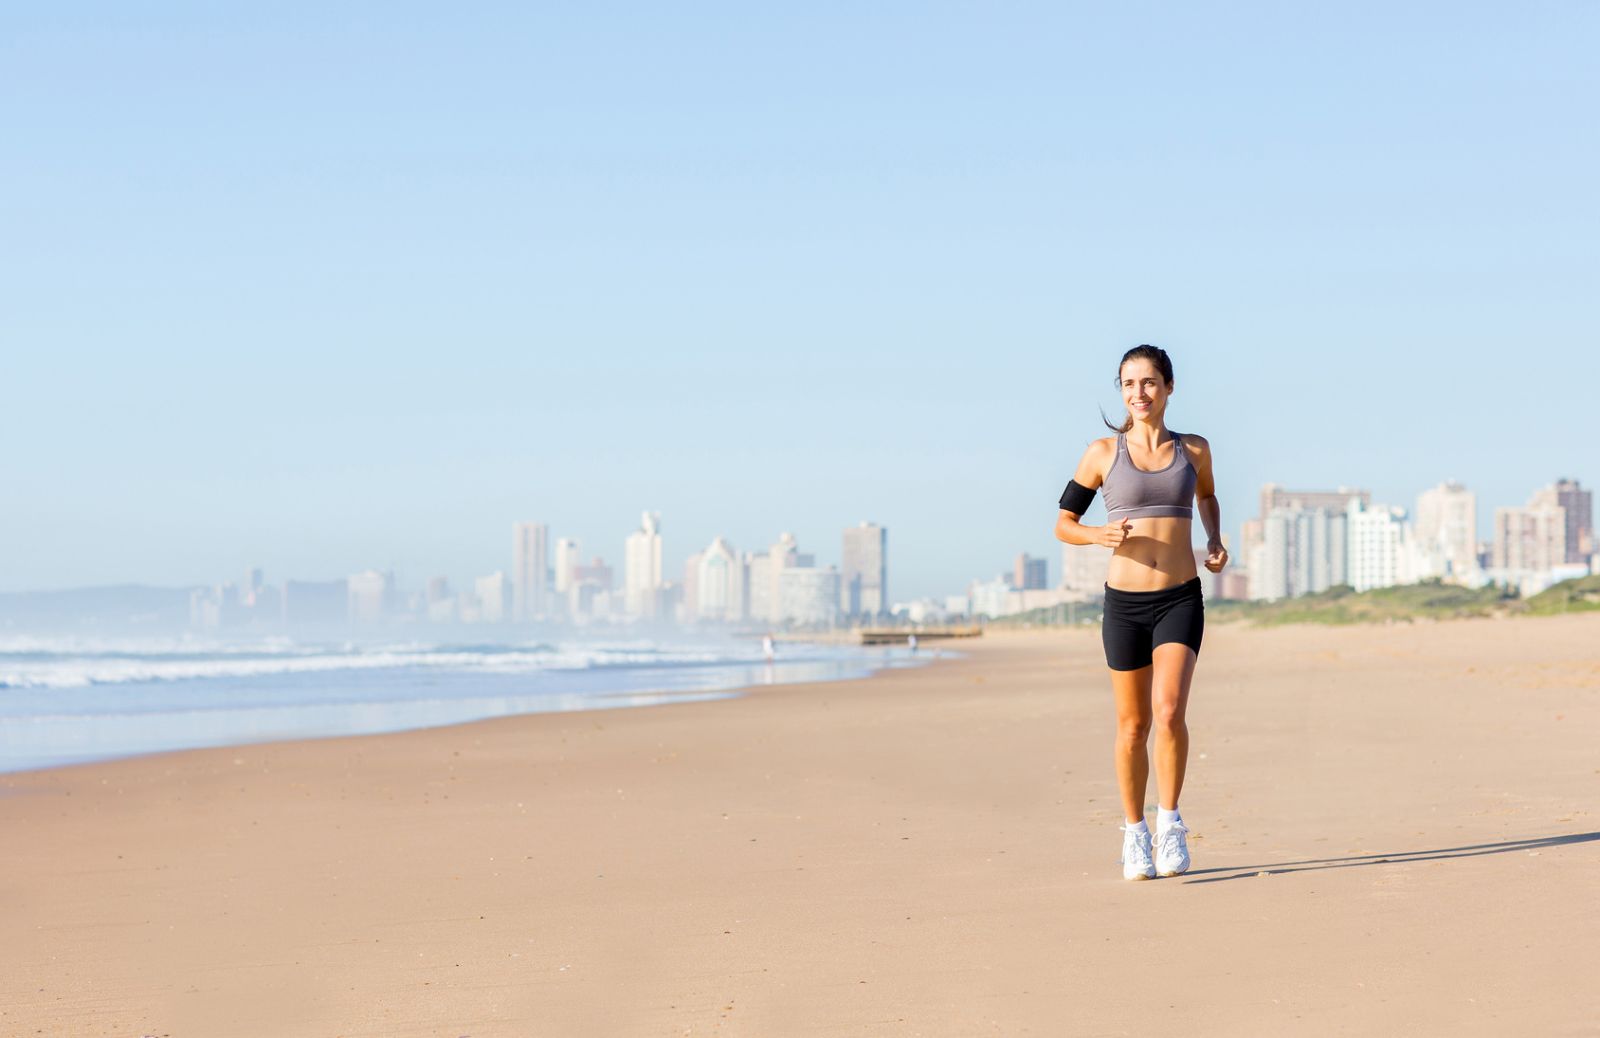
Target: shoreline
x=1392 y=834
x=205 y=712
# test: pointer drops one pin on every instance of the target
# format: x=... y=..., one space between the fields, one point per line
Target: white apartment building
x=1377 y=546
x=1532 y=538
x=493 y=595
x=992 y=598
x=530 y=570
x=368 y=595
x=762 y=605
x=808 y=595
x=718 y=588
x=1299 y=551
x=642 y=567
x=865 y=570
x=1084 y=568
x=568 y=558
x=1445 y=534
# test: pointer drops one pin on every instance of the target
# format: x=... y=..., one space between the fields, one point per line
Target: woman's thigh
x=1132 y=691
x=1171 y=674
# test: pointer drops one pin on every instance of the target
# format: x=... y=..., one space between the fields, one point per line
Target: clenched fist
x=1113 y=534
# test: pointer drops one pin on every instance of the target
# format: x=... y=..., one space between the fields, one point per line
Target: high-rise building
x=1030 y=574
x=864 y=574
x=438 y=589
x=1578 y=506
x=1446 y=532
x=642 y=567
x=1529 y=539
x=1300 y=551
x=691 y=589
x=441 y=604
x=808 y=595
x=369 y=595
x=758 y=582
x=1275 y=495
x=1084 y=569
x=784 y=554
x=568 y=558
x=530 y=571
x=1377 y=546
x=718 y=588
x=590 y=592
x=494 y=593
x=1298 y=543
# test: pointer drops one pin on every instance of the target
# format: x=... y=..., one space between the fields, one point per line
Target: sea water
x=66 y=701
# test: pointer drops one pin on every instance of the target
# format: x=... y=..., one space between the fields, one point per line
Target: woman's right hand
x=1113 y=534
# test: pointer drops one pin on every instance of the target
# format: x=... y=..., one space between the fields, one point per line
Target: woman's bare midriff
x=1156 y=555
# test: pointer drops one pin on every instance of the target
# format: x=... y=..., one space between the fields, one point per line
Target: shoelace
x=1172 y=839
x=1141 y=847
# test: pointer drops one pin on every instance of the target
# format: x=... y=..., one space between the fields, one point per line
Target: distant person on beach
x=767 y=649
x=1154 y=611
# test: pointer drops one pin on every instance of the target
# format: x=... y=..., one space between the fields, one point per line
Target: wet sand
x=1393 y=833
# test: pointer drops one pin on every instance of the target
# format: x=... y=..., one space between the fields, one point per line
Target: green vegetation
x=1570 y=596
x=1064 y=615
x=1429 y=600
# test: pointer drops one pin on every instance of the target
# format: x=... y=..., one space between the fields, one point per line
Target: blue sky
x=322 y=291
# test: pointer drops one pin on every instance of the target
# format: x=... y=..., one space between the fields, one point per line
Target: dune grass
x=1429 y=600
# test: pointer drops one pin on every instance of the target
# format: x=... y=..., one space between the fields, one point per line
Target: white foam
x=110 y=664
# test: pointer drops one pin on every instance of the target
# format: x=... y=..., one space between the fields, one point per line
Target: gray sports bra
x=1131 y=492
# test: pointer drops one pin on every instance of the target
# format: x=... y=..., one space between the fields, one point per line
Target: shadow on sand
x=1312 y=864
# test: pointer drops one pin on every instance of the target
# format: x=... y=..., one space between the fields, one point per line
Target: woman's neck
x=1147 y=434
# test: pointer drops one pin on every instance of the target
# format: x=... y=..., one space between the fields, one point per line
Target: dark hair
x=1155 y=355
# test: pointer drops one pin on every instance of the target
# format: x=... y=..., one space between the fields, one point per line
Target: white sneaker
x=1172 y=850
x=1136 y=863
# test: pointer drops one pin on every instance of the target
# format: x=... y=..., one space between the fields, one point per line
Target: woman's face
x=1144 y=390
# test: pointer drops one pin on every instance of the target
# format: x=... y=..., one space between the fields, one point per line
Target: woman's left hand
x=1217 y=558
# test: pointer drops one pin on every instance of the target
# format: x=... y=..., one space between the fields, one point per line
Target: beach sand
x=1394 y=832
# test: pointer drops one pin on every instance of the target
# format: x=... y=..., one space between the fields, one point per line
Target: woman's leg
x=1173 y=671
x=1132 y=691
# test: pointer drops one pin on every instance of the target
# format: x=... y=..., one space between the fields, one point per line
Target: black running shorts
x=1137 y=621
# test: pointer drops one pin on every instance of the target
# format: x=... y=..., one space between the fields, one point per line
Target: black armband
x=1076 y=498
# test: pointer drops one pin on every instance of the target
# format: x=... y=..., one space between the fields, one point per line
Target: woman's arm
x=1205 y=496
x=1089 y=476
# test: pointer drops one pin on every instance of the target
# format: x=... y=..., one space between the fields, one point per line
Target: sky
x=326 y=289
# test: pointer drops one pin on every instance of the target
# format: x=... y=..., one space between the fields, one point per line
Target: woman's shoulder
x=1194 y=443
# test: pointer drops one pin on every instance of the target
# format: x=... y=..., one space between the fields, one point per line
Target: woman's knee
x=1133 y=730
x=1169 y=718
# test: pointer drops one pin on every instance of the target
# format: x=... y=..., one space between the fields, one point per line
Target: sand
x=1394 y=832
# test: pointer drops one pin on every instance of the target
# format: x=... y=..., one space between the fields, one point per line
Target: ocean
x=65 y=701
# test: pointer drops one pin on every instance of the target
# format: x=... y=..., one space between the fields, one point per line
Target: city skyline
x=1301 y=541
x=1576 y=547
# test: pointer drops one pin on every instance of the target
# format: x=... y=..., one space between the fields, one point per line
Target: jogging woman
x=1154 y=614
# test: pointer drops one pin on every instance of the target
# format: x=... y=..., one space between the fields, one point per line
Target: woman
x=1154 y=614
